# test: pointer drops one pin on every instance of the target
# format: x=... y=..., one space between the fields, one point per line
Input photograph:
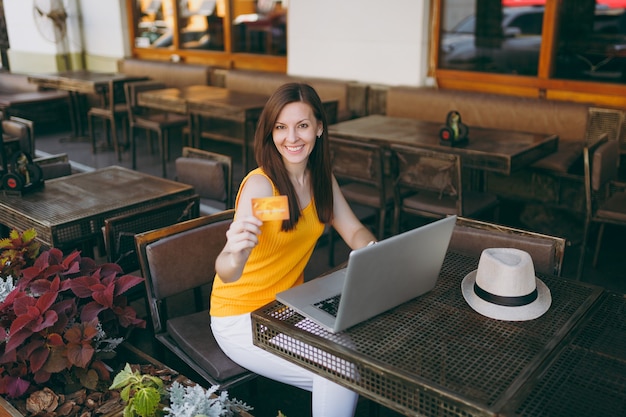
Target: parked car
x=517 y=50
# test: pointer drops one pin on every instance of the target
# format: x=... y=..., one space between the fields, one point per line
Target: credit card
x=271 y=208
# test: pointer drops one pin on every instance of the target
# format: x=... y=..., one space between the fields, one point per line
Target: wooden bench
x=170 y=73
x=555 y=180
x=19 y=98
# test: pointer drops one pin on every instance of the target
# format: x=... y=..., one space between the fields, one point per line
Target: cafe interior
x=509 y=114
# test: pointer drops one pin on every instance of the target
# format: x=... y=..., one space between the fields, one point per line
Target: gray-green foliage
x=195 y=401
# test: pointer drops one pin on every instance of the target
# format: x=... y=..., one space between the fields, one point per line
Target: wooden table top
x=81 y=81
x=206 y=101
x=74 y=207
x=487 y=149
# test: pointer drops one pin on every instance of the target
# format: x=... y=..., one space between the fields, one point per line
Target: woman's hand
x=241 y=237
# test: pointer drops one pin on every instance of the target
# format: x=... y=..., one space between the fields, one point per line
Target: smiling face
x=295 y=132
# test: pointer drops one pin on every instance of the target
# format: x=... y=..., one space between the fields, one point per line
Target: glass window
x=591 y=41
x=260 y=26
x=155 y=21
x=201 y=24
x=490 y=36
x=256 y=26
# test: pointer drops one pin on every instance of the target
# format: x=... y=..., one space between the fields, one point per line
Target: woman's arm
x=242 y=235
x=346 y=223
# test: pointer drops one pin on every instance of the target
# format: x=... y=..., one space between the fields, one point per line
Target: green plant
x=18 y=251
x=142 y=393
x=145 y=395
x=194 y=401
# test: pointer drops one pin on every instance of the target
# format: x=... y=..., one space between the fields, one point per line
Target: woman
x=261 y=259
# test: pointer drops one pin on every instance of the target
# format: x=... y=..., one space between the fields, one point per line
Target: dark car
x=516 y=51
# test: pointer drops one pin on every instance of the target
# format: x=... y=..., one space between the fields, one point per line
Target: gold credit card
x=271 y=208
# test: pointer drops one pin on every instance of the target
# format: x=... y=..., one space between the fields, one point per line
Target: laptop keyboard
x=329 y=305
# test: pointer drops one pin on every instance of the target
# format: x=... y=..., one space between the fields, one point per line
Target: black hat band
x=517 y=301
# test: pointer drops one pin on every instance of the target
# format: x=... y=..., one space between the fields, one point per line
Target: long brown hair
x=268 y=157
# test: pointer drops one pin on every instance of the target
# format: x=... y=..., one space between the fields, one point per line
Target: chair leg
x=133 y=147
x=92 y=133
x=162 y=145
x=331 y=246
x=599 y=241
x=581 y=260
x=116 y=145
x=381 y=224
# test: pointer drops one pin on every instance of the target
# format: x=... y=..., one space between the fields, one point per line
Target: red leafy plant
x=61 y=322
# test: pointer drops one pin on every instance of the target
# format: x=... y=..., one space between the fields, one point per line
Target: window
x=221 y=32
x=591 y=43
x=565 y=49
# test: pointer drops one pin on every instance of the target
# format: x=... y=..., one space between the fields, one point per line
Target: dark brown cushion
x=193 y=334
x=563 y=159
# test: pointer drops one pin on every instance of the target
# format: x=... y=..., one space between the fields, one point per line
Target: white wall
x=362 y=40
x=103 y=38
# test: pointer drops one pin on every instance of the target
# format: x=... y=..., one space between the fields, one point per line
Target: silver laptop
x=377 y=278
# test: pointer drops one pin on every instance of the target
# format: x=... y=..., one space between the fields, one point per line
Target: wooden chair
x=605 y=197
x=114 y=114
x=178 y=263
x=471 y=237
x=210 y=174
x=359 y=169
x=429 y=184
x=54 y=166
x=16 y=137
x=150 y=120
x=120 y=231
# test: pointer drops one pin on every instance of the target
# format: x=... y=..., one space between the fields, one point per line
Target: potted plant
x=146 y=396
x=61 y=317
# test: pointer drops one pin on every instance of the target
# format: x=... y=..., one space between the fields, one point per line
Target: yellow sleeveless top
x=275 y=264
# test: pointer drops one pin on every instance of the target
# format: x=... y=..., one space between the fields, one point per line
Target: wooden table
x=212 y=103
x=487 y=149
x=435 y=356
x=78 y=83
x=71 y=210
x=203 y=102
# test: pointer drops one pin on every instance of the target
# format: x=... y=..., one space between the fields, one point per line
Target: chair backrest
x=601 y=166
x=357 y=161
x=180 y=258
x=20 y=132
x=471 y=237
x=426 y=170
x=120 y=231
x=209 y=173
x=131 y=89
x=54 y=166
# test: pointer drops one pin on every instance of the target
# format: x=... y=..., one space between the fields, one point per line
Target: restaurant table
x=435 y=356
x=203 y=102
x=487 y=149
x=69 y=211
x=212 y=103
x=78 y=83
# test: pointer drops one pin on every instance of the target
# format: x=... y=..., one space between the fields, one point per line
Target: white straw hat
x=504 y=287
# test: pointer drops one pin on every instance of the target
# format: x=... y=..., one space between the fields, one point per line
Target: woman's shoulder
x=258 y=180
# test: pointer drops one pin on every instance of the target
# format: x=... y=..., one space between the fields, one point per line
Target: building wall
x=361 y=40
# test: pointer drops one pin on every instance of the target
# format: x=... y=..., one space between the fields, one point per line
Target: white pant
x=234 y=335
